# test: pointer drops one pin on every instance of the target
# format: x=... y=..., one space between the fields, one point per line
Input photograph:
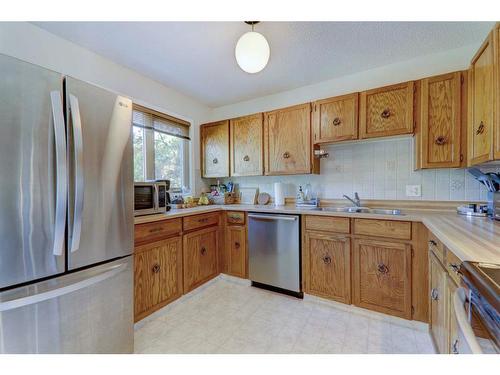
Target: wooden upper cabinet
x=327 y=266
x=246 y=146
x=440 y=116
x=382 y=276
x=481 y=104
x=336 y=119
x=287 y=140
x=496 y=130
x=386 y=111
x=214 y=138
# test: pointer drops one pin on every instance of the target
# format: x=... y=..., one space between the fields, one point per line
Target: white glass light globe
x=252 y=52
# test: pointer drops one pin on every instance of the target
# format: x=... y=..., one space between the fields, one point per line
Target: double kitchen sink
x=364 y=210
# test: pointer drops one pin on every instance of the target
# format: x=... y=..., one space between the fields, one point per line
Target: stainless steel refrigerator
x=66 y=214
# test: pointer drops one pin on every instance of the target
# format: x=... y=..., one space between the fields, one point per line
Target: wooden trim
x=178 y=121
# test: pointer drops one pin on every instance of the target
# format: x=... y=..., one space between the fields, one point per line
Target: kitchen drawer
x=328 y=223
x=436 y=247
x=235 y=217
x=149 y=232
x=200 y=221
x=383 y=228
x=452 y=265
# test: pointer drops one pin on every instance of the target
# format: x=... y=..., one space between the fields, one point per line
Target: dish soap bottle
x=300 y=195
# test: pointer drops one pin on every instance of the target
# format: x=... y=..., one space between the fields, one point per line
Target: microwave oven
x=150 y=197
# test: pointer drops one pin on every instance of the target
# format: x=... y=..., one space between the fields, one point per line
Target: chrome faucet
x=356 y=201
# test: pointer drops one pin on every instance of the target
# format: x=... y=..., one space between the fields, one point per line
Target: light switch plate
x=413 y=190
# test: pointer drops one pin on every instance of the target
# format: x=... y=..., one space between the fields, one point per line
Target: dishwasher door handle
x=273 y=217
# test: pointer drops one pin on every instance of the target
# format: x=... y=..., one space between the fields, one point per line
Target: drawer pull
x=286 y=155
x=382 y=268
x=336 y=121
x=386 y=113
x=327 y=259
x=480 y=129
x=203 y=251
x=246 y=158
x=434 y=294
x=236 y=245
x=440 y=140
x=156 y=268
x=215 y=161
x=204 y=220
x=154 y=230
x=432 y=243
x=455 y=268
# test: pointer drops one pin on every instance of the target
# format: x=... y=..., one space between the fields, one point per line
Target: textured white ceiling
x=197 y=58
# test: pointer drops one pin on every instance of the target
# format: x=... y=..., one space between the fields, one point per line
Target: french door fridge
x=66 y=214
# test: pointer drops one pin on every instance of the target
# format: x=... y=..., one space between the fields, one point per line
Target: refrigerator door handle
x=79 y=179
x=58 y=292
x=61 y=172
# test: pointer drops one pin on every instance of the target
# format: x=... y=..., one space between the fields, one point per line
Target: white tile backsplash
x=376 y=169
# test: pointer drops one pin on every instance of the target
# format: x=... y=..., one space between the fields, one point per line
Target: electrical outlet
x=413 y=190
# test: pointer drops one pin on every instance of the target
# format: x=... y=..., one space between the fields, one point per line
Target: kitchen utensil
x=263 y=198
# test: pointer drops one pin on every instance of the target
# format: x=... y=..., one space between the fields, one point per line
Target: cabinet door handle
x=156 y=268
x=286 y=155
x=215 y=161
x=246 y=158
x=480 y=129
x=386 y=113
x=327 y=259
x=203 y=251
x=236 y=245
x=432 y=243
x=454 y=347
x=382 y=268
x=434 y=294
x=336 y=121
x=455 y=268
x=440 y=140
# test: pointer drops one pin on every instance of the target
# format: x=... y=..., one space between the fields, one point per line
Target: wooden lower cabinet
x=236 y=250
x=382 y=276
x=326 y=266
x=200 y=257
x=453 y=329
x=439 y=302
x=157 y=274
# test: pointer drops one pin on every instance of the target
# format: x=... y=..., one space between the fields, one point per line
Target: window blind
x=150 y=119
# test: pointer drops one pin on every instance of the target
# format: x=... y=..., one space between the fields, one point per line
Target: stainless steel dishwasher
x=274 y=252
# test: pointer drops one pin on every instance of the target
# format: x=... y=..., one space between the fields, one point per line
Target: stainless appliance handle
x=273 y=217
x=61 y=172
x=156 y=197
x=58 y=292
x=464 y=325
x=79 y=180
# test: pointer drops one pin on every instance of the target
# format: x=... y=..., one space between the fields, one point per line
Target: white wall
x=33 y=44
x=378 y=169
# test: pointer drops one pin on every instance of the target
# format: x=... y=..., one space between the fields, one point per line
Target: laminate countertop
x=469 y=238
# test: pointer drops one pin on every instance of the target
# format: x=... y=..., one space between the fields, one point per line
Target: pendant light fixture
x=252 y=50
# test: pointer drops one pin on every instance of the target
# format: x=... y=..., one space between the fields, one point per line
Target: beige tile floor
x=229 y=317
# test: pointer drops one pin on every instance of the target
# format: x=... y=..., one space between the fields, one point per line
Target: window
x=161 y=148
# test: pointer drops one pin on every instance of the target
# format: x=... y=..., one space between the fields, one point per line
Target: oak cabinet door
x=481 y=104
x=441 y=122
x=157 y=275
x=336 y=119
x=438 y=306
x=247 y=145
x=327 y=263
x=200 y=257
x=453 y=329
x=236 y=250
x=214 y=140
x=287 y=140
x=382 y=276
x=496 y=130
x=386 y=111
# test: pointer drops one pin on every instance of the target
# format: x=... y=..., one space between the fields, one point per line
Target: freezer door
x=100 y=205
x=32 y=172
x=87 y=311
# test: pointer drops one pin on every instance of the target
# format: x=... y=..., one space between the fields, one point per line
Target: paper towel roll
x=279 y=194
